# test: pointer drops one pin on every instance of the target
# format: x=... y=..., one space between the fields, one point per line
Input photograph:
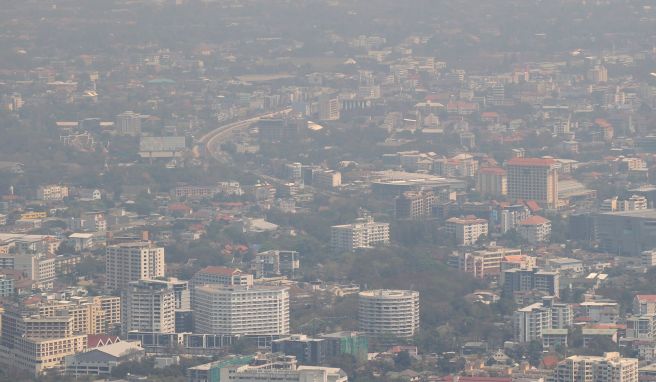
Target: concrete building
x=531 y=321
x=241 y=310
x=648 y=258
x=329 y=108
x=38 y=267
x=626 y=233
x=127 y=262
x=36 y=344
x=364 y=233
x=7 y=286
x=162 y=147
x=641 y=327
x=492 y=181
x=482 y=263
x=52 y=192
x=308 y=351
x=128 y=123
x=326 y=179
x=466 y=230
x=644 y=304
x=276 y=263
x=533 y=179
x=385 y=312
x=414 y=204
x=602 y=312
x=91 y=315
x=264 y=368
x=101 y=360
x=608 y=368
x=535 y=229
x=149 y=306
x=531 y=280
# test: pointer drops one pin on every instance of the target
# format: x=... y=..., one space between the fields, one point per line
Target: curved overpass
x=212 y=140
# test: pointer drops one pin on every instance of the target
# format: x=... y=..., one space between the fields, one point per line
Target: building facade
x=127 y=262
x=241 y=310
x=365 y=233
x=384 y=312
x=533 y=179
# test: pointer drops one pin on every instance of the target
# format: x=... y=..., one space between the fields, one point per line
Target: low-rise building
x=467 y=230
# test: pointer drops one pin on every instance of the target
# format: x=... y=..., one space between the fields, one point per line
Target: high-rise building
x=329 y=108
x=611 y=367
x=128 y=123
x=385 y=312
x=275 y=263
x=241 y=310
x=34 y=343
x=414 y=204
x=466 y=230
x=531 y=280
x=627 y=232
x=531 y=321
x=127 y=262
x=533 y=179
x=149 y=306
x=492 y=181
x=364 y=233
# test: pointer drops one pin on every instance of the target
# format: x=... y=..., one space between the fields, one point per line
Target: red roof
x=218 y=270
x=533 y=205
x=534 y=220
x=532 y=162
x=646 y=297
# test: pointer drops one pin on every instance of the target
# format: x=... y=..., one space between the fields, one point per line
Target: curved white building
x=241 y=310
x=389 y=312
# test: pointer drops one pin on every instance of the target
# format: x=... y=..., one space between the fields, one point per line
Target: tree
x=402 y=361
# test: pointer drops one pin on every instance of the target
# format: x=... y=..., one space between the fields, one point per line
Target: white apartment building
x=38 y=267
x=241 y=310
x=611 y=367
x=364 y=233
x=531 y=321
x=602 y=312
x=149 y=306
x=535 y=229
x=466 y=230
x=389 y=312
x=52 y=192
x=483 y=263
x=134 y=261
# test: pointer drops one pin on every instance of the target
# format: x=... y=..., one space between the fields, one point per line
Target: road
x=212 y=140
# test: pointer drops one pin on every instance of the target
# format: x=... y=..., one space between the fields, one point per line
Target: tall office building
x=149 y=306
x=492 y=181
x=134 y=261
x=241 y=310
x=414 y=204
x=128 y=123
x=329 y=108
x=534 y=179
x=531 y=280
x=364 y=233
x=34 y=343
x=275 y=263
x=389 y=312
x=611 y=367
